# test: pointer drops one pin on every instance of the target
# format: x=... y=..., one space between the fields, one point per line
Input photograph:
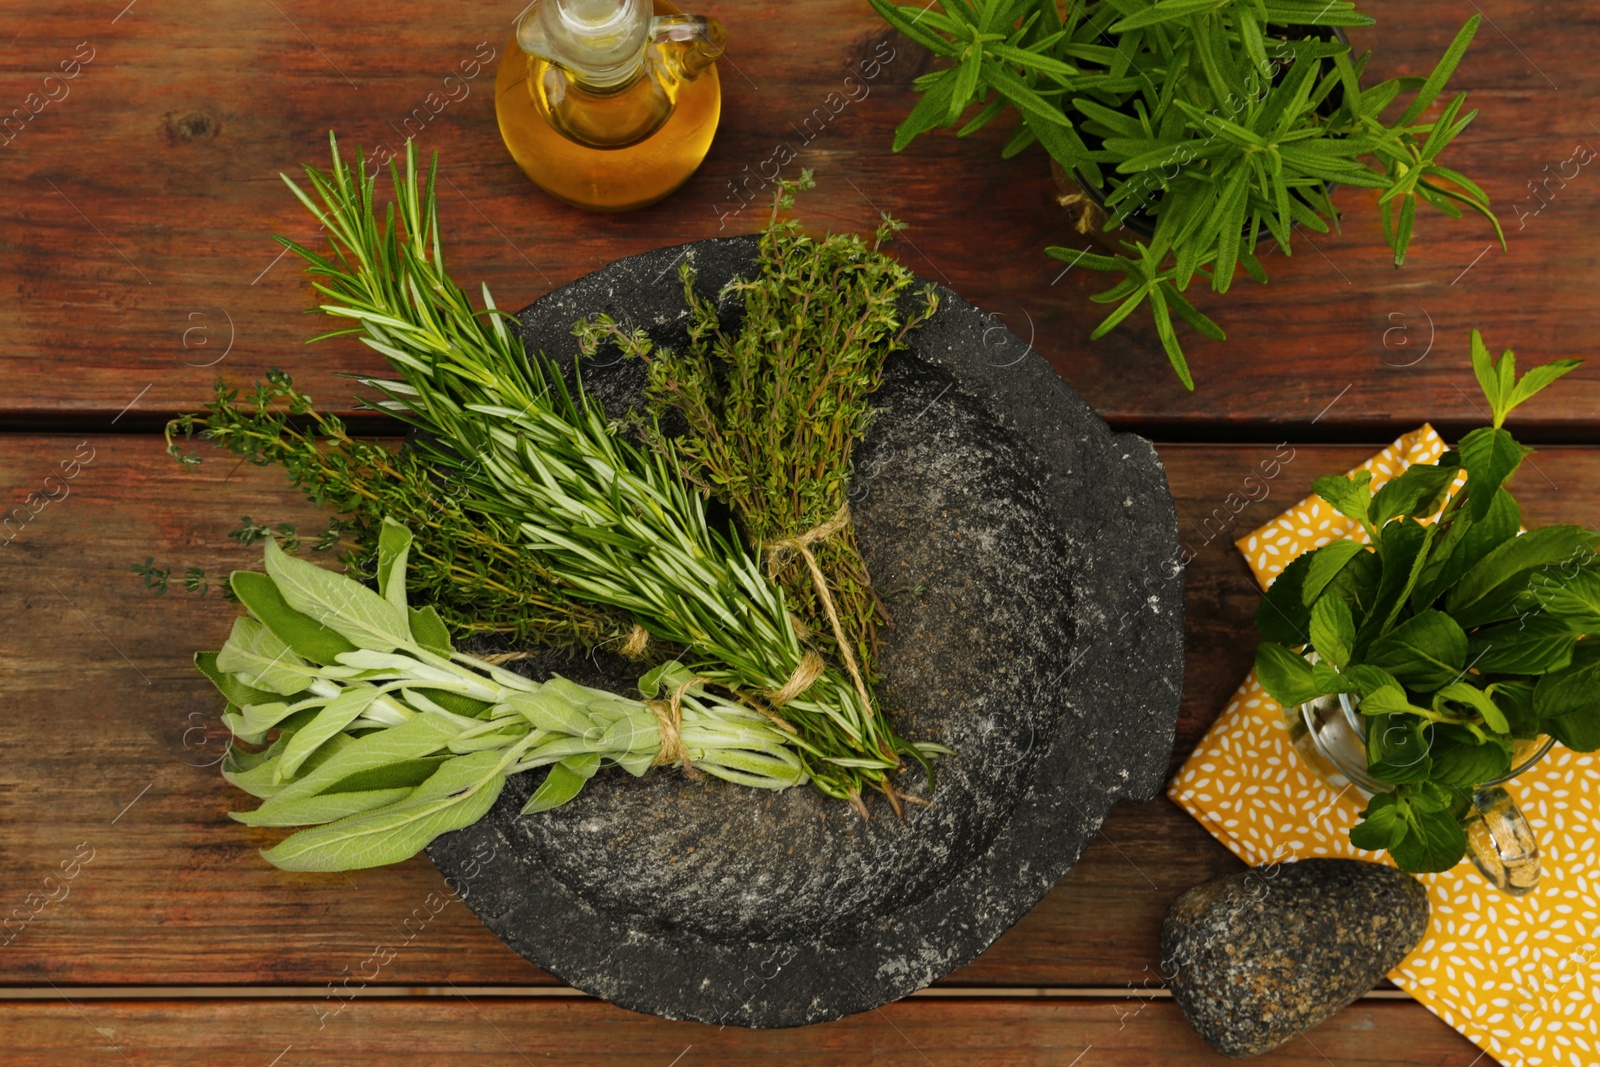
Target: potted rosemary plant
x=1462 y=645
x=1201 y=129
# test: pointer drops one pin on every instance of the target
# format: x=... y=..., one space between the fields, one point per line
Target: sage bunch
x=385 y=737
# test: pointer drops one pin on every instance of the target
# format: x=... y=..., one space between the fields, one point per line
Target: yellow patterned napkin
x=1521 y=977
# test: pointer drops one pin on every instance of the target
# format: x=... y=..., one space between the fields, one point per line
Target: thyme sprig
x=469 y=564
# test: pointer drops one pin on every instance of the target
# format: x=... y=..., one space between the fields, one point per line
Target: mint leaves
x=1458 y=637
x=1489 y=453
x=1418 y=826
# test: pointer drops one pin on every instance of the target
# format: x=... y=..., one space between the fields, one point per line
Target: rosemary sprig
x=1222 y=123
x=614 y=524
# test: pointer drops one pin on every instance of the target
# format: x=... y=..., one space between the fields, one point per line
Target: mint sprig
x=1459 y=636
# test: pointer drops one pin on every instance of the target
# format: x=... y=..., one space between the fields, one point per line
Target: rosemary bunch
x=1220 y=124
x=773 y=409
x=385 y=737
x=614 y=524
x=469 y=565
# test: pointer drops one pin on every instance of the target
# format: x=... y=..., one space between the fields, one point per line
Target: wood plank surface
x=108 y=732
x=136 y=264
x=496 y=1031
x=135 y=242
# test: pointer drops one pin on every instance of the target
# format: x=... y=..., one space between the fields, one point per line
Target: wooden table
x=138 y=265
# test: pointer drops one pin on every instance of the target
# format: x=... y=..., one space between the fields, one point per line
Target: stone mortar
x=1029 y=559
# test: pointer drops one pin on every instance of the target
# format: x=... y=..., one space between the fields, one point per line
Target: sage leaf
x=424 y=735
x=429 y=631
x=455 y=703
x=255 y=773
x=309 y=639
x=394 y=544
x=1427 y=651
x=386 y=835
x=560 y=785
x=262 y=660
x=401 y=774
x=314 y=810
x=259 y=718
x=339 y=713
x=235 y=691
x=339 y=603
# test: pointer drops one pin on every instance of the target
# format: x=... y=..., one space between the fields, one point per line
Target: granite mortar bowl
x=1023 y=552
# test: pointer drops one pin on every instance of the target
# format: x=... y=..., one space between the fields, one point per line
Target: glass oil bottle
x=610 y=104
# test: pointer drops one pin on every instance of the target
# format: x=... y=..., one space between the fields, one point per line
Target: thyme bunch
x=773 y=408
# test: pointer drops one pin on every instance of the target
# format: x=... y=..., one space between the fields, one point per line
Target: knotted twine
x=669 y=720
x=811 y=666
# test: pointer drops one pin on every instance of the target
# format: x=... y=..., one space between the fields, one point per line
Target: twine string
x=801 y=544
x=669 y=718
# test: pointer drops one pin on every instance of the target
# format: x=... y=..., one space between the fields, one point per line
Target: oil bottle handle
x=690 y=42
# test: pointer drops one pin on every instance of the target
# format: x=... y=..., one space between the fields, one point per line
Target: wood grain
x=109 y=730
x=136 y=248
x=495 y=1031
x=136 y=264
